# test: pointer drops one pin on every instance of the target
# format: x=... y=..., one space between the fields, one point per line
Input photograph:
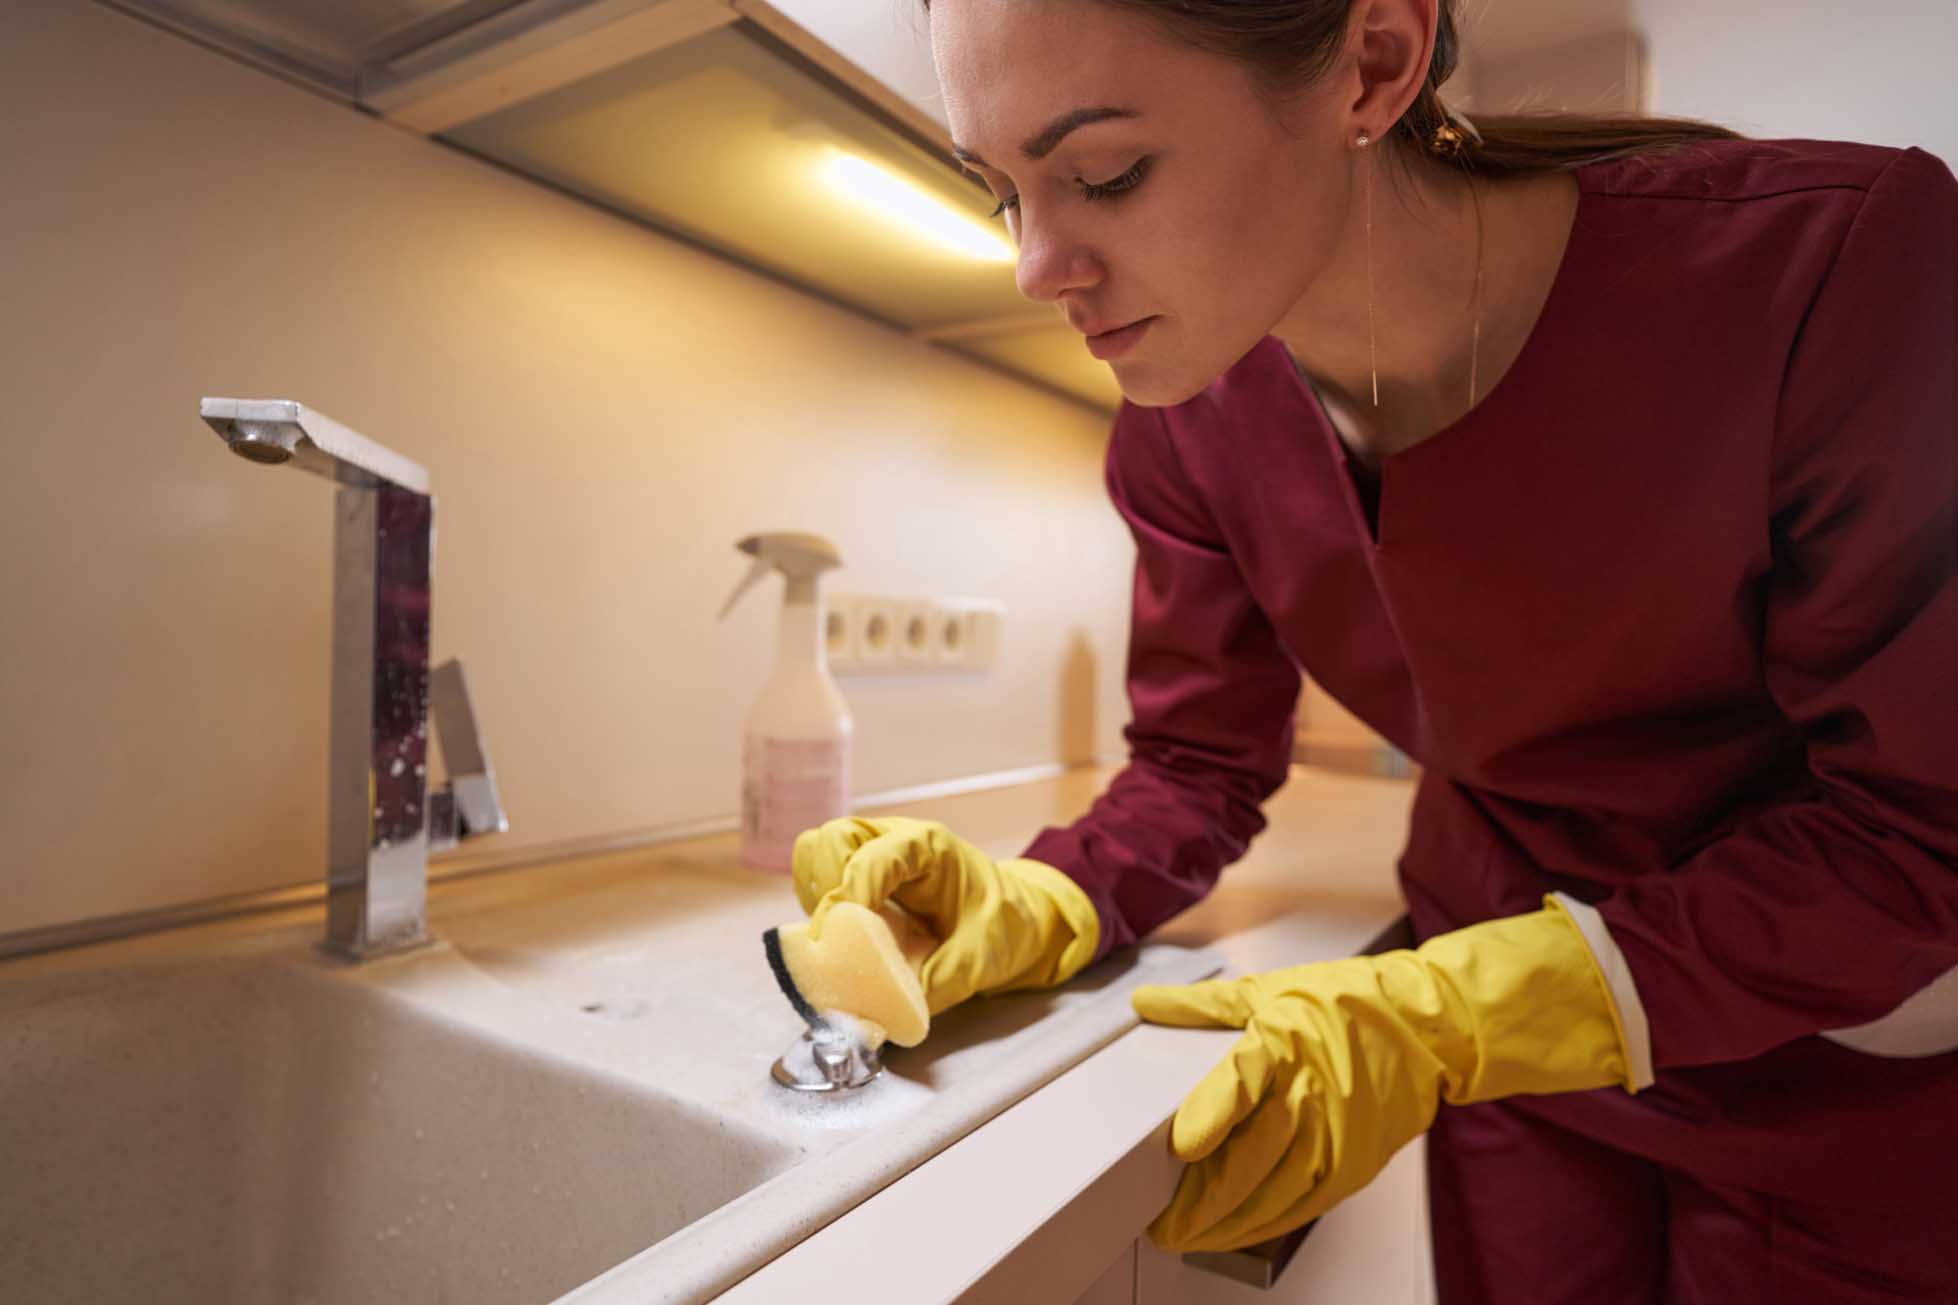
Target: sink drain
x=826 y=1059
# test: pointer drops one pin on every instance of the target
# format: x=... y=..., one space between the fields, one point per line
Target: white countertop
x=573 y=959
x=1084 y=1163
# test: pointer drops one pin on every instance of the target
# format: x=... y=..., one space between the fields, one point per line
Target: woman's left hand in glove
x=1343 y=1062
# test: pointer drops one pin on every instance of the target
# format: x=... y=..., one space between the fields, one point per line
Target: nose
x=1052 y=260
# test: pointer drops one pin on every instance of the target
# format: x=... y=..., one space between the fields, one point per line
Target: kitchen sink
x=567 y=1094
x=280 y=1127
x=659 y=950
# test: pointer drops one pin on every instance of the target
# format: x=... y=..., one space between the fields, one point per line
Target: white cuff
x=1618 y=981
x=1925 y=1024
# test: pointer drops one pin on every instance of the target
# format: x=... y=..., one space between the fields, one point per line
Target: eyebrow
x=1042 y=143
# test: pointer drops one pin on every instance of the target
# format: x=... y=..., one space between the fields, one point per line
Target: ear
x=1389 y=48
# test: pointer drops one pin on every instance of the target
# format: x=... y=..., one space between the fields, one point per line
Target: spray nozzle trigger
x=761 y=568
x=799 y=557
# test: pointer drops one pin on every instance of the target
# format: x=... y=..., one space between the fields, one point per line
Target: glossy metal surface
x=469 y=804
x=379 y=806
x=827 y=1058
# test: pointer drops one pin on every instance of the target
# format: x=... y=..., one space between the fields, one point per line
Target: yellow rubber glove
x=1000 y=926
x=1342 y=1063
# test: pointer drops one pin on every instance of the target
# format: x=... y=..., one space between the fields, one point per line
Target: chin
x=1157 y=387
x=1166 y=372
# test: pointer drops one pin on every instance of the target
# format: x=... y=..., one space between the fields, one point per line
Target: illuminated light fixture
x=894 y=198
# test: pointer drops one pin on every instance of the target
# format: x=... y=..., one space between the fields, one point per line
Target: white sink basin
x=277 y=1129
x=649 y=963
x=568 y=1093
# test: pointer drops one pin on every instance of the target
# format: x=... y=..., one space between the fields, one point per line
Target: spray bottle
x=795 y=756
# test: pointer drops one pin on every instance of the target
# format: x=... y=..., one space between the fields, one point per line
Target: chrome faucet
x=382 y=820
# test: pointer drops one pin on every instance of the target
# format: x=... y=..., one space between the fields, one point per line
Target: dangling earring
x=1373 y=358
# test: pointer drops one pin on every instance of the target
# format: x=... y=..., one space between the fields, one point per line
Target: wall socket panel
x=866 y=634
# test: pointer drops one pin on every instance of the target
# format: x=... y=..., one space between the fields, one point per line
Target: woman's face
x=1195 y=208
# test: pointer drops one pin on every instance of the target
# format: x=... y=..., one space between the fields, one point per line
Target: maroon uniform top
x=1669 y=619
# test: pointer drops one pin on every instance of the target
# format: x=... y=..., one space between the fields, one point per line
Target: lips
x=1112 y=344
x=1106 y=328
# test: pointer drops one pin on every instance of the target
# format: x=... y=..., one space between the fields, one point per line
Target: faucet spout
x=279 y=430
x=378 y=829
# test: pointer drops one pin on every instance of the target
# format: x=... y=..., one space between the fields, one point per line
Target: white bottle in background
x=795 y=755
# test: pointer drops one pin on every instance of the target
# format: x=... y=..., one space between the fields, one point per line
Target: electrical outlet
x=951 y=635
x=877 y=633
x=867 y=634
x=840 y=630
x=917 y=631
x=967 y=632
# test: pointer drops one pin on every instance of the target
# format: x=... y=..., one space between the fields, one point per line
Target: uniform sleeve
x=1212 y=693
x=1837 y=912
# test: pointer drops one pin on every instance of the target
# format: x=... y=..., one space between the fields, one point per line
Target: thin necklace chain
x=1475 y=335
x=1373 y=355
x=1475 y=339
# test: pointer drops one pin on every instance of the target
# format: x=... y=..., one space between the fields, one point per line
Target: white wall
x=603 y=413
x=1879 y=72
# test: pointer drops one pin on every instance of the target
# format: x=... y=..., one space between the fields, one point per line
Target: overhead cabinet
x=724 y=122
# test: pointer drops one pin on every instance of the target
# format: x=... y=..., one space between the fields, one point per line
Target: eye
x=1093 y=190
x=1127 y=181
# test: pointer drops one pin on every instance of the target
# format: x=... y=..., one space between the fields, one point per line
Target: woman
x=1606 y=468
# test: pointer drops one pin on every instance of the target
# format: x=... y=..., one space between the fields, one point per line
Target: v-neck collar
x=1534 y=345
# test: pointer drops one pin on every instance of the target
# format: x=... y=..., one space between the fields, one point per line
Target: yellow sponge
x=865 y=965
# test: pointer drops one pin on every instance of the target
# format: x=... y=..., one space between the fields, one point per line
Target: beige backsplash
x=1329 y=736
x=603 y=412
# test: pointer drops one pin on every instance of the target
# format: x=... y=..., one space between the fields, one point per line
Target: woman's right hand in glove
x=999 y=925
